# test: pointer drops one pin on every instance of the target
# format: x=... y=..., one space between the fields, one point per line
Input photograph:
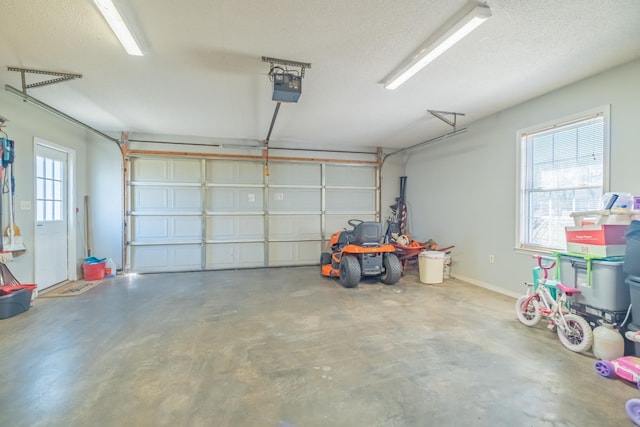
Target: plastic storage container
x=632 y=348
x=110 y=268
x=632 y=250
x=600 y=281
x=431 y=267
x=15 y=303
x=634 y=291
x=446 y=274
x=93 y=271
x=594 y=315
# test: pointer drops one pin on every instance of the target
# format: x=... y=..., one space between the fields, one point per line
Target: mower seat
x=367 y=233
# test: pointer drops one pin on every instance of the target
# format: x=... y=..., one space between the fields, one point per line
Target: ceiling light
x=118 y=26
x=437 y=45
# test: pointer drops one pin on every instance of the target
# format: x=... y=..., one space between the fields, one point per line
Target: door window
x=49 y=185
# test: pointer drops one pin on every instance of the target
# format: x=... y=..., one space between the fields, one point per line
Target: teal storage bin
x=15 y=303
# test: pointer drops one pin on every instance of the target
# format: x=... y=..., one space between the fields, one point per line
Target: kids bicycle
x=573 y=331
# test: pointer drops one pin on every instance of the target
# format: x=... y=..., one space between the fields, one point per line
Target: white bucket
x=431 y=266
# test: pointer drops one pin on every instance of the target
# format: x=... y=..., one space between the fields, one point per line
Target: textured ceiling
x=202 y=73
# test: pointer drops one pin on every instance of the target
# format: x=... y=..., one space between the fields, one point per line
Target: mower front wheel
x=349 y=271
x=392 y=269
x=325 y=258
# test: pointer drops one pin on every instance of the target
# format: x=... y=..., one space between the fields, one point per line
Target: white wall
x=105 y=192
x=467 y=191
x=27 y=122
x=392 y=170
x=98 y=173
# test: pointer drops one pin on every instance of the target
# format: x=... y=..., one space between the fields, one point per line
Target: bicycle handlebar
x=545 y=268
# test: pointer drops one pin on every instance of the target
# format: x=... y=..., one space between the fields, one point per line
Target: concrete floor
x=286 y=347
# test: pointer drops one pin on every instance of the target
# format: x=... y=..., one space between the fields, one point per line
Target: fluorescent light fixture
x=437 y=45
x=118 y=26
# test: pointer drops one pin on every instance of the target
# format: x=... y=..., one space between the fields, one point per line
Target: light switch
x=25 y=205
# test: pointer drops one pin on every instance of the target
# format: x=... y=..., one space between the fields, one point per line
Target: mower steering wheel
x=355 y=222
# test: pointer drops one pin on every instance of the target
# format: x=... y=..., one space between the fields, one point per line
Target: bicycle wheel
x=527 y=310
x=578 y=335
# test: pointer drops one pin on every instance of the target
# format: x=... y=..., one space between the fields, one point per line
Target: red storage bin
x=93 y=271
x=7 y=289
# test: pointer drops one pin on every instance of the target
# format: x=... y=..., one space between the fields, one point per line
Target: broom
x=13 y=231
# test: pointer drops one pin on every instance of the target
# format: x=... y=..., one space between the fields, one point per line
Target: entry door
x=51 y=217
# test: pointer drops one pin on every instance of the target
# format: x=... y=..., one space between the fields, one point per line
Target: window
x=563 y=169
x=48 y=189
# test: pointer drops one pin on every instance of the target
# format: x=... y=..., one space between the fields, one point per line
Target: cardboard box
x=596 y=251
x=598 y=240
x=601 y=234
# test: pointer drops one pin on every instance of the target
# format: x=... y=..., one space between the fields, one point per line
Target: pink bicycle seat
x=568 y=291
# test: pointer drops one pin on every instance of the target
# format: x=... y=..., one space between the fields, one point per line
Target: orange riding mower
x=357 y=253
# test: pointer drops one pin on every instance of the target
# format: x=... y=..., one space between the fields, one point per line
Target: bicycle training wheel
x=527 y=310
x=633 y=410
x=605 y=368
x=578 y=335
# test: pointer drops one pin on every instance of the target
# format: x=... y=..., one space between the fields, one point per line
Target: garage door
x=208 y=214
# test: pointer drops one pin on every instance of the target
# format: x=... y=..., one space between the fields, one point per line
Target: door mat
x=70 y=289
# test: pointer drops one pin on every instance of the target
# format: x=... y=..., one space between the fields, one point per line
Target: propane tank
x=608 y=344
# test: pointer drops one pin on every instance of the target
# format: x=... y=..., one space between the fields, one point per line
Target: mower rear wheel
x=349 y=271
x=392 y=269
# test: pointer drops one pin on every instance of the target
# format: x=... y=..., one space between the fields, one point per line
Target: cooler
x=601 y=281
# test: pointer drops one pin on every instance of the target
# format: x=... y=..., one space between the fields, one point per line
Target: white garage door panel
x=166 y=258
x=234 y=172
x=294 y=174
x=350 y=200
x=347 y=175
x=148 y=199
x=235 y=199
x=294 y=199
x=235 y=255
x=294 y=227
x=248 y=227
x=166 y=170
x=293 y=253
x=152 y=229
x=229 y=213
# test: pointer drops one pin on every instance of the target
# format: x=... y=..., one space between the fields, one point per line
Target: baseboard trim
x=489 y=286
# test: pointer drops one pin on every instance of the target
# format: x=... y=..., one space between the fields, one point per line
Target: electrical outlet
x=492 y=259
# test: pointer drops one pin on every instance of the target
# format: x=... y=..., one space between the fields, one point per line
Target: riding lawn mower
x=360 y=252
